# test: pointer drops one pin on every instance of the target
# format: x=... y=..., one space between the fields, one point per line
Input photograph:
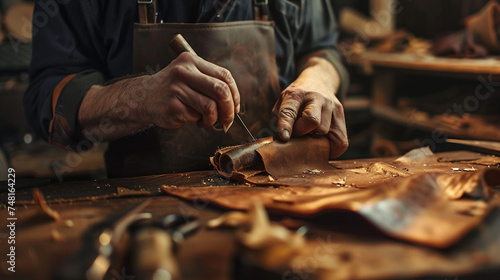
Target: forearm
x=317 y=74
x=115 y=110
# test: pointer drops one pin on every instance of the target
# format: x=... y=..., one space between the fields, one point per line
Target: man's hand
x=191 y=89
x=309 y=105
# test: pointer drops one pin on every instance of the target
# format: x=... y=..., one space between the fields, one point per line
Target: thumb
x=287 y=114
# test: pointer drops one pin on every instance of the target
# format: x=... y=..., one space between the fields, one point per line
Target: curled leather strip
x=239 y=161
x=279 y=159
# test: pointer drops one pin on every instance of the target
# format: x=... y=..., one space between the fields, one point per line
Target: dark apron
x=245 y=48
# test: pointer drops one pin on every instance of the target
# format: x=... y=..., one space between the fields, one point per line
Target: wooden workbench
x=43 y=244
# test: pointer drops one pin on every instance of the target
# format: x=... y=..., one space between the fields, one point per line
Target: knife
x=179 y=45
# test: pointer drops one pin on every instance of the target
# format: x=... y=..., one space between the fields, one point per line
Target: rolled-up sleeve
x=65 y=63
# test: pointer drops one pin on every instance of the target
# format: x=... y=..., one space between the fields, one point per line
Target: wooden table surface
x=42 y=244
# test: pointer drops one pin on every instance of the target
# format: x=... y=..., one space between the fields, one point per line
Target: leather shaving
x=56 y=235
x=230 y=219
x=45 y=208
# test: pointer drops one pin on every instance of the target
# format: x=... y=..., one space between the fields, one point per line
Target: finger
x=212 y=87
x=224 y=75
x=290 y=106
x=177 y=115
x=205 y=107
x=337 y=135
x=326 y=119
x=309 y=120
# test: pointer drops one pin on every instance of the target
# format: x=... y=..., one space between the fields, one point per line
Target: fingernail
x=227 y=127
x=238 y=109
x=285 y=135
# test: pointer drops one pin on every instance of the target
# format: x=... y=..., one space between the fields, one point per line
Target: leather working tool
x=155 y=245
x=180 y=45
x=489 y=147
x=101 y=246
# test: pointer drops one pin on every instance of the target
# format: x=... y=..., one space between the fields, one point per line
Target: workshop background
x=401 y=96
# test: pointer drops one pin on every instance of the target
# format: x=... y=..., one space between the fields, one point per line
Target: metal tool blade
x=242 y=124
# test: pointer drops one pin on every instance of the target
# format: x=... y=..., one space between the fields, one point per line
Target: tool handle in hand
x=179 y=45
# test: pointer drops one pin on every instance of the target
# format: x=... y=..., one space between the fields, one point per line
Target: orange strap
x=58 y=90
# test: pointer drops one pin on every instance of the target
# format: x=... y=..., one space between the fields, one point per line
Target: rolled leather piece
x=279 y=159
x=242 y=159
x=485 y=26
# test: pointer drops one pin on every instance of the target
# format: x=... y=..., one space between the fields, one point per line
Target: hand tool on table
x=102 y=248
x=154 y=246
x=489 y=147
x=179 y=45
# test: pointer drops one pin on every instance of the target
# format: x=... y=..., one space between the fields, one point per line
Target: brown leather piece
x=277 y=158
x=480 y=37
x=304 y=162
x=406 y=198
x=418 y=208
x=485 y=26
x=240 y=161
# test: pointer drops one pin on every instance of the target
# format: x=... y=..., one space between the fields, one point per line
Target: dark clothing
x=93 y=39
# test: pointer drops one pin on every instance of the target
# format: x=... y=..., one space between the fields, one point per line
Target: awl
x=179 y=45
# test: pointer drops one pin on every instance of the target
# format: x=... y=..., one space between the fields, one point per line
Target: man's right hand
x=191 y=89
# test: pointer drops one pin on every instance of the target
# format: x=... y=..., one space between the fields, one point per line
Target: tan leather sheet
x=405 y=198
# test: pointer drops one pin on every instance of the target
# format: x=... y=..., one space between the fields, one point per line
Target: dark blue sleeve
x=65 y=42
x=317 y=31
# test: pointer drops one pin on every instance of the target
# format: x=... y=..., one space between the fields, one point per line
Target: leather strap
x=261 y=10
x=147 y=11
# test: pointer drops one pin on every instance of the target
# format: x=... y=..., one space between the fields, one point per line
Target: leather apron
x=245 y=48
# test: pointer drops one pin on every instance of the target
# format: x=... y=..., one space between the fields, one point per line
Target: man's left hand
x=309 y=106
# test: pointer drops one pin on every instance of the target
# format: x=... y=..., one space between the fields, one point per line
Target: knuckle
x=222 y=91
x=329 y=103
x=209 y=110
x=322 y=130
x=226 y=75
x=184 y=57
x=287 y=113
x=180 y=70
x=292 y=94
x=174 y=110
x=312 y=119
x=343 y=146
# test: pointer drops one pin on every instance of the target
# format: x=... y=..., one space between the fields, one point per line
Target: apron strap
x=261 y=10
x=147 y=11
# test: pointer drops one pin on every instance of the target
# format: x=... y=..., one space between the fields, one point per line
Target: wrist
x=318 y=74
